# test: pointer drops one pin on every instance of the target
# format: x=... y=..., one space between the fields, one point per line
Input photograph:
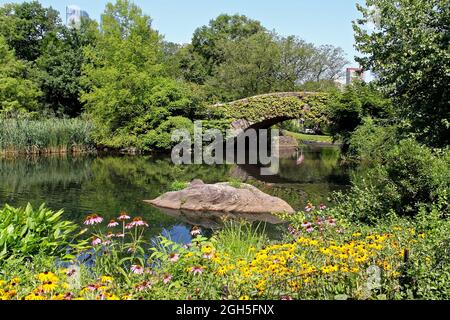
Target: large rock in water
x=222 y=197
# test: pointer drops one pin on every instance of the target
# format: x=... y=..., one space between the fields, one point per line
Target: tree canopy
x=406 y=43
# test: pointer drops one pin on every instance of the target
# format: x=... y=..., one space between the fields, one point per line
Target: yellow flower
x=34 y=296
x=106 y=279
x=47 y=277
x=422 y=235
x=244 y=298
x=2 y=283
x=48 y=286
x=357 y=235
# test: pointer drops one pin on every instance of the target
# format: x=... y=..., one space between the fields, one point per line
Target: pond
x=109 y=184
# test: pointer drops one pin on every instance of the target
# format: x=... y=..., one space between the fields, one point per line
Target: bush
x=25 y=232
x=371 y=141
x=412 y=176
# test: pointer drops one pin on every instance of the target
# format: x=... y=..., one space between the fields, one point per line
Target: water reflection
x=108 y=185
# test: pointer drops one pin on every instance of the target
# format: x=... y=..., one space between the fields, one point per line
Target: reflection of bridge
x=264 y=111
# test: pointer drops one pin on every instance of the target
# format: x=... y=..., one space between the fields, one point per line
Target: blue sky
x=316 y=21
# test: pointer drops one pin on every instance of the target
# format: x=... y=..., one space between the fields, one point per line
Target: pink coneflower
x=123 y=216
x=319 y=221
x=93 y=220
x=309 y=207
x=129 y=226
x=143 y=286
x=196 y=231
x=310 y=229
x=306 y=225
x=137 y=222
x=120 y=235
x=110 y=235
x=92 y=287
x=137 y=269
x=112 y=224
x=331 y=222
x=96 y=241
x=167 y=278
x=286 y=298
x=174 y=257
x=322 y=207
x=197 y=270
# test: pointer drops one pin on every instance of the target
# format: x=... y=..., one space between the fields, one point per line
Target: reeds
x=50 y=136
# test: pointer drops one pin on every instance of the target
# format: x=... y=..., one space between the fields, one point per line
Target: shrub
x=371 y=141
x=25 y=232
x=412 y=176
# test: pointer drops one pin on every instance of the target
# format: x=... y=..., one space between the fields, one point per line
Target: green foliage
x=240 y=239
x=410 y=177
x=27 y=26
x=260 y=108
x=249 y=68
x=45 y=136
x=235 y=183
x=25 y=232
x=347 y=109
x=18 y=94
x=131 y=102
x=178 y=186
x=372 y=141
x=59 y=68
x=207 y=41
x=407 y=47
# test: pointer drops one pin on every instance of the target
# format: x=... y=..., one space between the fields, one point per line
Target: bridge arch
x=264 y=111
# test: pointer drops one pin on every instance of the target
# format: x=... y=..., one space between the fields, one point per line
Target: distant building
x=354 y=74
x=74 y=15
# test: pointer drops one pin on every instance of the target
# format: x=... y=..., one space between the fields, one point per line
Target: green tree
x=207 y=40
x=250 y=67
x=26 y=26
x=59 y=68
x=329 y=63
x=18 y=94
x=348 y=109
x=406 y=43
x=130 y=95
x=296 y=62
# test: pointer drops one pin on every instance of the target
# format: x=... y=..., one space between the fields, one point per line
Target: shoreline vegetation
x=45 y=137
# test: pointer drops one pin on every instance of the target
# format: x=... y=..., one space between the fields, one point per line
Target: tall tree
x=296 y=62
x=250 y=67
x=59 y=68
x=207 y=40
x=130 y=97
x=406 y=43
x=329 y=63
x=17 y=93
x=26 y=26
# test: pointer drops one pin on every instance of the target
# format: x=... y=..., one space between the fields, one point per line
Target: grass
x=309 y=137
x=49 y=136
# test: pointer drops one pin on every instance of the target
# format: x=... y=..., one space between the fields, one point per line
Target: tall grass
x=21 y=136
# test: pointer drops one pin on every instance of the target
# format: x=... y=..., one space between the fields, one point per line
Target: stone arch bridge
x=264 y=111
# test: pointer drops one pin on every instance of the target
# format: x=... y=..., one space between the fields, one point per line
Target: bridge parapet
x=264 y=111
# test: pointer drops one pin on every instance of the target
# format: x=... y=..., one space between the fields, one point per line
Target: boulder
x=222 y=197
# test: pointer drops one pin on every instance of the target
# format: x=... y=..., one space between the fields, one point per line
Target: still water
x=107 y=185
